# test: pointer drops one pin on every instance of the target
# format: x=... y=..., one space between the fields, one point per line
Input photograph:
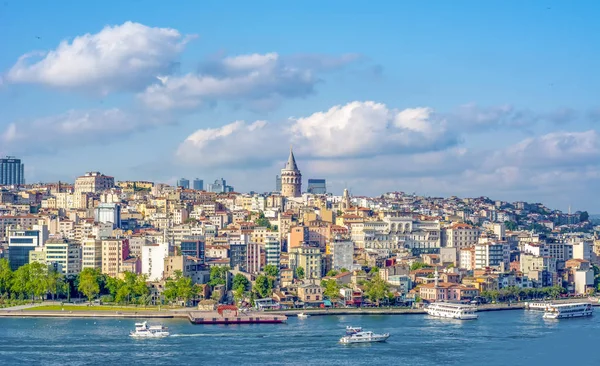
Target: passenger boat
x=352 y=330
x=143 y=330
x=303 y=316
x=364 y=337
x=452 y=311
x=562 y=311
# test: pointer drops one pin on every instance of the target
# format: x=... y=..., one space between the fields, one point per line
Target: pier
x=227 y=314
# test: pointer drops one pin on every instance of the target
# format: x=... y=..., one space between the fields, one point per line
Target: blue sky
x=495 y=98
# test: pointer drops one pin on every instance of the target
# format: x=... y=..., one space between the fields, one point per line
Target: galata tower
x=291 y=178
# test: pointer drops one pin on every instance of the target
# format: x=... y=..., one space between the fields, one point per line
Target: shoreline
x=185 y=313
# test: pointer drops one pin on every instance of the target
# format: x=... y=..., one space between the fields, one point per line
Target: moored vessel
x=452 y=311
x=143 y=330
x=303 y=316
x=562 y=311
x=364 y=337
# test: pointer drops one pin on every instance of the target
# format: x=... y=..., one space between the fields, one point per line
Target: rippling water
x=496 y=338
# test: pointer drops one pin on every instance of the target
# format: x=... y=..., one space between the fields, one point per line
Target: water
x=496 y=338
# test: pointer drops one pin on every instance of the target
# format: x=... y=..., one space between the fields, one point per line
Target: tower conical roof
x=291 y=163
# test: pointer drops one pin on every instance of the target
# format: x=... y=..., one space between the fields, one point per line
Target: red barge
x=228 y=314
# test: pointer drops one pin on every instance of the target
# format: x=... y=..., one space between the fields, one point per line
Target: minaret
x=436 y=277
x=291 y=178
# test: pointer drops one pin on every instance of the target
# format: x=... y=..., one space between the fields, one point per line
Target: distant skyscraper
x=317 y=186
x=220 y=186
x=277 y=183
x=185 y=183
x=198 y=184
x=11 y=171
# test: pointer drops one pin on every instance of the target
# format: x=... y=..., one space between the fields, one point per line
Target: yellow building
x=309 y=258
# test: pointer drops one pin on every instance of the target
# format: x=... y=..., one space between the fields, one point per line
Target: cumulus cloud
x=75 y=128
x=256 y=80
x=121 y=57
x=357 y=129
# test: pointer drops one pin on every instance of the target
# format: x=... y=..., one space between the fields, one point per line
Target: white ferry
x=143 y=330
x=452 y=311
x=562 y=311
x=303 y=316
x=364 y=337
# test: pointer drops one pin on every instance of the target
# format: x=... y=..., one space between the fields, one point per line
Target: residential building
x=93 y=182
x=114 y=253
x=153 y=260
x=342 y=253
x=309 y=258
x=193 y=247
x=91 y=253
x=492 y=255
x=189 y=266
x=64 y=255
x=460 y=236
x=273 y=251
x=108 y=213
x=310 y=293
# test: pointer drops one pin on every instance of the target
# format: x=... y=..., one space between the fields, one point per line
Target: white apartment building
x=153 y=260
x=583 y=250
x=273 y=251
x=493 y=255
x=65 y=255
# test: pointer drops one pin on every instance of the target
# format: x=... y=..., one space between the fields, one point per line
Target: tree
x=240 y=281
x=88 y=283
x=374 y=270
x=331 y=289
x=218 y=275
x=511 y=225
x=53 y=281
x=263 y=221
x=37 y=279
x=377 y=289
x=20 y=281
x=584 y=216
x=332 y=273
x=6 y=276
x=300 y=273
x=418 y=265
x=271 y=270
x=344 y=270
x=185 y=289
x=263 y=286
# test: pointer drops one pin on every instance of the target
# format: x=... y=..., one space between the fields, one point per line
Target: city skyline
x=428 y=105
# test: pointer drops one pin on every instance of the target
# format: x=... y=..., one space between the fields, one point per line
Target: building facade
x=317 y=186
x=12 y=171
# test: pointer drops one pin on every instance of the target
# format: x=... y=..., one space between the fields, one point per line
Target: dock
x=247 y=318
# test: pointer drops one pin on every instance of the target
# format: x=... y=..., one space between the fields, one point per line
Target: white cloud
x=257 y=80
x=75 y=128
x=121 y=57
x=357 y=129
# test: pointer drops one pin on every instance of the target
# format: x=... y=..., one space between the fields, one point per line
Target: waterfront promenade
x=102 y=311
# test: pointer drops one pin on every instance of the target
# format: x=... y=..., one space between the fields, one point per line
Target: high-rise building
x=193 y=247
x=198 y=184
x=291 y=178
x=12 y=171
x=277 y=183
x=273 y=250
x=220 y=186
x=184 y=183
x=317 y=186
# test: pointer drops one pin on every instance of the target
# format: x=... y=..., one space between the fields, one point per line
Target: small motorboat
x=352 y=330
x=143 y=330
x=303 y=316
x=364 y=337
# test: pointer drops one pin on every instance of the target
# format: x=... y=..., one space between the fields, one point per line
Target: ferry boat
x=143 y=330
x=303 y=316
x=562 y=311
x=352 y=330
x=539 y=306
x=364 y=337
x=452 y=311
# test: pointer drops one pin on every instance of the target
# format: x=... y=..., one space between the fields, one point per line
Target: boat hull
x=568 y=316
x=374 y=339
x=439 y=314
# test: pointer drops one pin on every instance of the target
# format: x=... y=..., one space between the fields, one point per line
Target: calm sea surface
x=496 y=338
